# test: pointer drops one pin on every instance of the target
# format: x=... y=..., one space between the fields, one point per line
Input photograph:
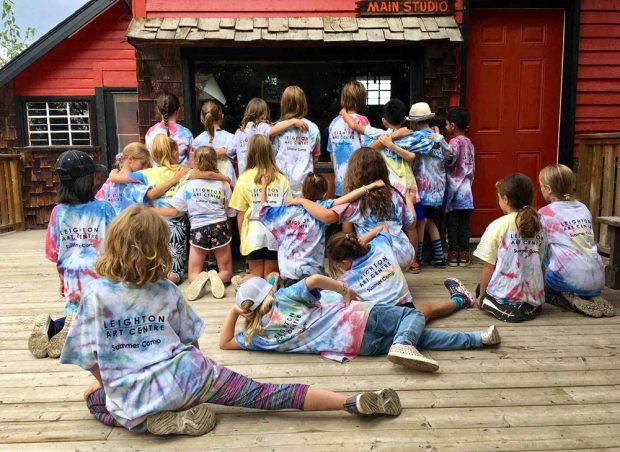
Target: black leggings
x=457 y=223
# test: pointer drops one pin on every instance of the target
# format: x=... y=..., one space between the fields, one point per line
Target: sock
x=459 y=301
x=419 y=255
x=350 y=405
x=437 y=249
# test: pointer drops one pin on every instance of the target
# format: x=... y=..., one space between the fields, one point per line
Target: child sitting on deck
x=75 y=233
x=512 y=247
x=573 y=268
x=139 y=338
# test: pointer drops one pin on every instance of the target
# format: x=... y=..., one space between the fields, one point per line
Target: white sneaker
x=38 y=340
x=194 y=422
x=57 y=342
x=194 y=290
x=409 y=356
x=385 y=401
x=490 y=336
x=217 y=285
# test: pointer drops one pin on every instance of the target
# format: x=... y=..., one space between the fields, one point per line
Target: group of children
x=118 y=259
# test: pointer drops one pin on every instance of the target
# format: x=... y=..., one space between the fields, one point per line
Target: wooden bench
x=612 y=271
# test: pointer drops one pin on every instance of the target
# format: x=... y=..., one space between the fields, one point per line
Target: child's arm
x=367 y=238
x=227 y=335
x=485 y=279
x=283 y=126
x=359 y=128
x=386 y=141
x=220 y=152
x=325 y=283
x=358 y=193
x=319 y=212
x=213 y=175
x=160 y=190
x=120 y=178
x=240 y=215
x=167 y=211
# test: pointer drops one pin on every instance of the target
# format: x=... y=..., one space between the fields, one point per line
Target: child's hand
x=92 y=387
x=342 y=112
x=377 y=184
x=436 y=129
x=265 y=180
x=349 y=296
x=385 y=140
x=180 y=172
x=296 y=202
x=242 y=313
x=62 y=288
x=478 y=302
x=301 y=125
x=402 y=132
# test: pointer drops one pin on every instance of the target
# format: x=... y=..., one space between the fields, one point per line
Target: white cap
x=255 y=290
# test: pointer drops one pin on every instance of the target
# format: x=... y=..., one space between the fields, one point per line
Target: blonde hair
x=135 y=150
x=163 y=149
x=260 y=157
x=293 y=103
x=353 y=96
x=256 y=111
x=255 y=326
x=211 y=113
x=560 y=179
x=205 y=159
x=136 y=247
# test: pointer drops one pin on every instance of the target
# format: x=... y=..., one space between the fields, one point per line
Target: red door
x=513 y=93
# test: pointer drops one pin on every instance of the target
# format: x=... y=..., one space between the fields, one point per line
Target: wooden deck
x=554 y=383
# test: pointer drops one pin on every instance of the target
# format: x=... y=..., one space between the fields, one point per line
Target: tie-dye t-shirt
x=74 y=240
x=295 y=151
x=300 y=238
x=401 y=172
x=460 y=175
x=238 y=148
x=342 y=142
x=206 y=201
x=246 y=198
x=572 y=263
x=299 y=322
x=221 y=139
x=141 y=339
x=518 y=274
x=121 y=196
x=430 y=173
x=156 y=176
x=182 y=135
x=397 y=220
x=376 y=276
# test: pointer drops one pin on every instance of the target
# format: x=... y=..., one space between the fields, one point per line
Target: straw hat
x=420 y=112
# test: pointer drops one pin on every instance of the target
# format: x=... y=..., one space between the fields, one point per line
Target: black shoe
x=438 y=262
x=212 y=266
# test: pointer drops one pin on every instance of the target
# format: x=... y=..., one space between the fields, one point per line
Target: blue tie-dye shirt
x=121 y=196
x=460 y=175
x=300 y=238
x=141 y=339
x=377 y=276
x=430 y=173
x=74 y=240
x=342 y=142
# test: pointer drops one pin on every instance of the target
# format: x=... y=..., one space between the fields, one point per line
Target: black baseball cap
x=73 y=164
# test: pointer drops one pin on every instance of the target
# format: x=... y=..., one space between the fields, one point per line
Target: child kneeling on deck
x=138 y=336
x=321 y=315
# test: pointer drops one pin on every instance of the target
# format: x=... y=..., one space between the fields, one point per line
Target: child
x=75 y=233
x=256 y=121
x=135 y=157
x=304 y=319
x=511 y=286
x=573 y=268
x=139 y=338
x=383 y=205
x=296 y=151
x=168 y=106
x=459 y=200
x=258 y=246
x=206 y=201
x=342 y=139
x=299 y=236
x=212 y=118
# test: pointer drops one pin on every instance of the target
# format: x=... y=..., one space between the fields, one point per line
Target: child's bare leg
x=433 y=232
x=436 y=310
x=270 y=266
x=257 y=267
x=323 y=400
x=196 y=261
x=223 y=257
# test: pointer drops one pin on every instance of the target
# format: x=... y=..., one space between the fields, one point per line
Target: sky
x=43 y=15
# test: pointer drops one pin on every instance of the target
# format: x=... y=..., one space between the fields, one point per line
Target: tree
x=12 y=43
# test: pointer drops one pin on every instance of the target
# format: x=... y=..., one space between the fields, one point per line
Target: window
x=58 y=123
x=378 y=89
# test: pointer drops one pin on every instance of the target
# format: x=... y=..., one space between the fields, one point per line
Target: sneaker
x=274 y=279
x=438 y=262
x=194 y=422
x=490 y=336
x=236 y=282
x=385 y=401
x=409 y=356
x=57 y=341
x=453 y=259
x=464 y=258
x=415 y=267
x=39 y=340
x=558 y=300
x=458 y=289
x=195 y=288
x=217 y=285
x=586 y=307
x=606 y=306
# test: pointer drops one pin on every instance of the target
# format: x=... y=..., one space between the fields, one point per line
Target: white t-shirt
x=206 y=201
x=238 y=148
x=518 y=274
x=221 y=139
x=295 y=151
x=572 y=263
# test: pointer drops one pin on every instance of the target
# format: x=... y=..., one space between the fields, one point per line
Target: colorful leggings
x=179 y=230
x=96 y=406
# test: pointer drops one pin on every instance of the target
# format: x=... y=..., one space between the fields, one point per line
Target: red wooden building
x=533 y=73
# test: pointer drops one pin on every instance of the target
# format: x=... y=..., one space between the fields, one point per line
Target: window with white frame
x=378 y=88
x=58 y=123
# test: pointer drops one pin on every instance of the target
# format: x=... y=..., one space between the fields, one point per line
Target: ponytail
x=342 y=246
x=255 y=326
x=210 y=113
x=528 y=222
x=519 y=191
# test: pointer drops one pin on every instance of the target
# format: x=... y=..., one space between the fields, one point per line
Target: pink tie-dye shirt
x=182 y=135
x=460 y=175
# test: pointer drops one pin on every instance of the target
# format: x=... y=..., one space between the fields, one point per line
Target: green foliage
x=12 y=42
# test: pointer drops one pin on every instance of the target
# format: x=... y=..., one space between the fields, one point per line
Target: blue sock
x=460 y=301
x=437 y=249
x=419 y=254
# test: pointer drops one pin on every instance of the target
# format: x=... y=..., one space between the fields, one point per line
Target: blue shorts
x=419 y=214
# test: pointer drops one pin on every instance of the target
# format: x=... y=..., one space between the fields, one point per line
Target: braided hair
x=342 y=246
x=167 y=105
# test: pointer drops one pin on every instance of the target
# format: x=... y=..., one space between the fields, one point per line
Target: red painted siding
x=598 y=86
x=96 y=56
